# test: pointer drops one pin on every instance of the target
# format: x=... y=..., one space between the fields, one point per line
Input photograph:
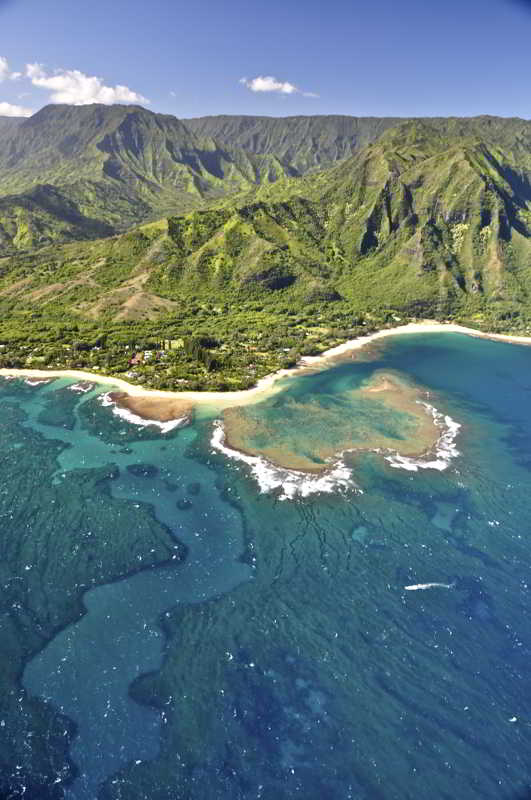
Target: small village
x=220 y=353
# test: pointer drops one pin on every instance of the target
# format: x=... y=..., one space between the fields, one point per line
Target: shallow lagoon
x=278 y=655
x=316 y=419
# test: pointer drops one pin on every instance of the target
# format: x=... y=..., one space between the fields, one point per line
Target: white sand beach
x=179 y=404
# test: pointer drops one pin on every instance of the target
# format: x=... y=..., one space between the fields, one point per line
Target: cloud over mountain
x=76 y=88
x=268 y=83
x=10 y=110
x=5 y=72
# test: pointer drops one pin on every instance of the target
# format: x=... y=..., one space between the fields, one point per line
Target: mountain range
x=116 y=213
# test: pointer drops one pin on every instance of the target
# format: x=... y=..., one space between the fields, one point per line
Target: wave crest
x=292 y=483
x=134 y=419
x=444 y=451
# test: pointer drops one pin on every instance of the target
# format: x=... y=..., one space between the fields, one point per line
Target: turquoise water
x=169 y=631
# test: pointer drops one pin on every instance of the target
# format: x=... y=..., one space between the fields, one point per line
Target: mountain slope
x=121 y=165
x=9 y=124
x=419 y=222
x=41 y=216
x=305 y=143
x=313 y=142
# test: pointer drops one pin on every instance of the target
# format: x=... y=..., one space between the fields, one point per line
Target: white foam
x=134 y=419
x=445 y=449
x=81 y=388
x=292 y=483
x=38 y=382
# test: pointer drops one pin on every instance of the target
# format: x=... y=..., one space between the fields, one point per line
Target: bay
x=223 y=642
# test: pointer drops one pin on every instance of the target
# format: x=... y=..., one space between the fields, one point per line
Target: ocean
x=182 y=620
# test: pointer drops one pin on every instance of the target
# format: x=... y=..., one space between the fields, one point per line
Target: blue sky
x=328 y=57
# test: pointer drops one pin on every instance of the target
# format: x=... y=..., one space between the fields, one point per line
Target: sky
x=277 y=58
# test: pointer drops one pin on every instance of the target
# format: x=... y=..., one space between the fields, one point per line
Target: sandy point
x=162 y=409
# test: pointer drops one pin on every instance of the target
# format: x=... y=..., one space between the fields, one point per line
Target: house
x=137 y=358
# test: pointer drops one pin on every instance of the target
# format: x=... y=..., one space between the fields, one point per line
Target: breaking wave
x=81 y=388
x=37 y=381
x=134 y=419
x=292 y=483
x=444 y=451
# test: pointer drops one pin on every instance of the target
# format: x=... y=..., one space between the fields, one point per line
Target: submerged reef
x=307 y=433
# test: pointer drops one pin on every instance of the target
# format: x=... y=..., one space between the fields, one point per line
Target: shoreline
x=426 y=326
x=265 y=387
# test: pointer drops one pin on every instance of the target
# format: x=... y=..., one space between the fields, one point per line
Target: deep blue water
x=168 y=631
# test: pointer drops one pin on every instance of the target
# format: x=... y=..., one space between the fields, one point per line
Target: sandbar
x=162 y=409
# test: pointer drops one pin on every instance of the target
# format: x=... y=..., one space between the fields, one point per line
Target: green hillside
x=305 y=143
x=310 y=143
x=120 y=166
x=115 y=165
x=422 y=222
x=430 y=220
x=43 y=215
x=9 y=124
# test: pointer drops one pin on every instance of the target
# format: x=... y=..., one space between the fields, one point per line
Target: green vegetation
x=305 y=143
x=112 y=167
x=432 y=219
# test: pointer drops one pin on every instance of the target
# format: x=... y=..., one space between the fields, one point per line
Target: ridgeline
x=206 y=253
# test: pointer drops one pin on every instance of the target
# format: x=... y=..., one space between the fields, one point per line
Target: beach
x=427 y=326
x=163 y=406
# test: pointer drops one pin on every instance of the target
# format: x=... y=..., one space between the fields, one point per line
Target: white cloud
x=4 y=68
x=267 y=83
x=5 y=74
x=75 y=88
x=9 y=110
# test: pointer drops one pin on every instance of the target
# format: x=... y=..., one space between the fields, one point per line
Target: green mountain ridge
x=431 y=219
x=306 y=143
x=43 y=215
x=423 y=228
x=309 y=143
x=119 y=165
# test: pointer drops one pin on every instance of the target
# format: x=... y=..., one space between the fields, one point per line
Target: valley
x=226 y=248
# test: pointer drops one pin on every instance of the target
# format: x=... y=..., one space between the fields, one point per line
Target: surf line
x=134 y=419
x=416 y=586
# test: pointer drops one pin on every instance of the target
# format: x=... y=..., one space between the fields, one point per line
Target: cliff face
x=432 y=218
x=113 y=165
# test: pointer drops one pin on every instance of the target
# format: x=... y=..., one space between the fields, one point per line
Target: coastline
x=426 y=326
x=264 y=388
